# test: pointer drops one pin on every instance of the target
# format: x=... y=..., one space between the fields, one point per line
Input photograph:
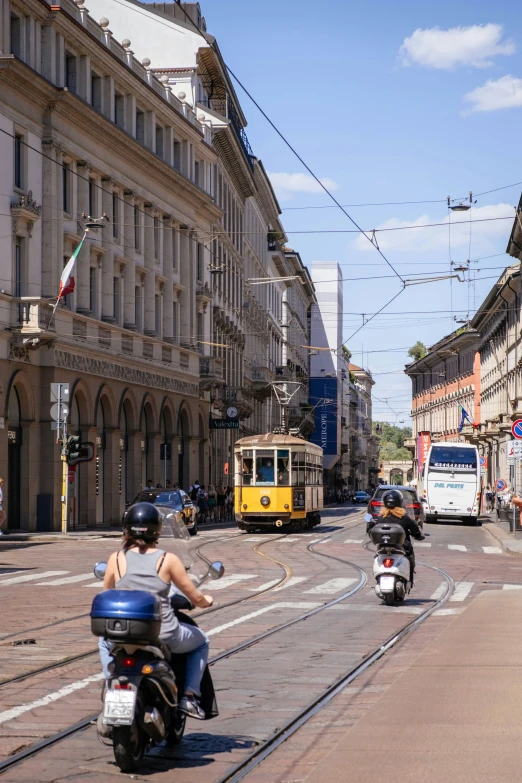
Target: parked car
x=412 y=503
x=361 y=497
x=171 y=501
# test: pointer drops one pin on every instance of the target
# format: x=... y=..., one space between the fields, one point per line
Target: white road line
x=94 y=584
x=492 y=550
x=15 y=712
x=255 y=538
x=332 y=586
x=512 y=587
x=228 y=581
x=462 y=590
x=315 y=540
x=354 y=541
x=289 y=540
x=67 y=580
x=281 y=605
x=419 y=543
x=31 y=577
x=294 y=580
x=439 y=592
x=445 y=612
x=457 y=547
x=266 y=586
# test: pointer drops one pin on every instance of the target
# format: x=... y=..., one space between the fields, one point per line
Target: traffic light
x=73 y=447
x=78 y=451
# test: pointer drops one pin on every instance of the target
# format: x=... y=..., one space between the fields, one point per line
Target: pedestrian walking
x=211 y=500
x=3 y=515
x=202 y=501
x=193 y=491
x=229 y=504
x=221 y=500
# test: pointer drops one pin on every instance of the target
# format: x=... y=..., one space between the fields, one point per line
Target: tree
x=391 y=433
x=417 y=351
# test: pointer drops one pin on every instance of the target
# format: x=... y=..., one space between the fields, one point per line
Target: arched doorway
x=396 y=477
x=103 y=459
x=14 y=460
x=184 y=478
x=147 y=445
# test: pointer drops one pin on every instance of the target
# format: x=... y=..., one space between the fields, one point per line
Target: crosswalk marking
x=290 y=540
x=266 y=586
x=512 y=587
x=281 y=605
x=294 y=580
x=254 y=538
x=354 y=541
x=332 y=586
x=439 y=592
x=94 y=584
x=457 y=547
x=67 y=580
x=420 y=543
x=492 y=550
x=228 y=581
x=444 y=612
x=31 y=577
x=462 y=590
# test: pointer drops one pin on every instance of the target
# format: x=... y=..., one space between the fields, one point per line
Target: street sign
x=500 y=484
x=224 y=424
x=517 y=445
x=57 y=395
x=59 y=411
x=516 y=429
x=510 y=453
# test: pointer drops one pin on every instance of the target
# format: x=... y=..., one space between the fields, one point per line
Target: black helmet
x=143 y=520
x=392 y=498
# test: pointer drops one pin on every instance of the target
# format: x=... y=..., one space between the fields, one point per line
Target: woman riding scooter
x=140 y=565
x=393 y=510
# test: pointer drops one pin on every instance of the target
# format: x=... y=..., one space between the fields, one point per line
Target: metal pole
x=165 y=465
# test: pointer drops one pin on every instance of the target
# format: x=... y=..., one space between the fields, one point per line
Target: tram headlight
x=265 y=500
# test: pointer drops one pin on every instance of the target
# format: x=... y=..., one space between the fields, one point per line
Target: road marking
x=439 y=592
x=68 y=579
x=94 y=584
x=281 y=605
x=462 y=590
x=492 y=550
x=512 y=587
x=419 y=543
x=354 y=541
x=15 y=712
x=445 y=612
x=289 y=540
x=332 y=586
x=228 y=581
x=294 y=580
x=255 y=538
x=457 y=547
x=266 y=586
x=31 y=577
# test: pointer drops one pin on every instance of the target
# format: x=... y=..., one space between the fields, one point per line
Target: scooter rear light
x=128 y=663
x=387 y=562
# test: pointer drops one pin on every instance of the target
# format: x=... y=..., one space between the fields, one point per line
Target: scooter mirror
x=216 y=570
x=368 y=518
x=99 y=570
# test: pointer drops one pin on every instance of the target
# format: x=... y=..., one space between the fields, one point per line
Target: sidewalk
x=511 y=542
x=456 y=715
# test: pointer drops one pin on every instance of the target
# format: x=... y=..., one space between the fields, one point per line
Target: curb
x=505 y=539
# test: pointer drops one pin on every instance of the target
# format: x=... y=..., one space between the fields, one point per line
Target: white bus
x=451 y=483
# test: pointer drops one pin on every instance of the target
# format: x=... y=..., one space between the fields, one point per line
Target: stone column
x=130 y=272
x=150 y=280
x=83 y=262
x=186 y=302
x=107 y=287
x=52 y=221
x=168 y=274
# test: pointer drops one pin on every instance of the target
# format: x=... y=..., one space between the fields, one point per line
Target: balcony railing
x=226 y=108
x=31 y=314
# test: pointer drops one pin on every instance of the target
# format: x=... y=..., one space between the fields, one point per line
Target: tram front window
x=265 y=468
x=247 y=472
x=283 y=471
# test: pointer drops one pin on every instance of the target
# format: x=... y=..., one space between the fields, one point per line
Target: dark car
x=361 y=497
x=171 y=500
x=412 y=503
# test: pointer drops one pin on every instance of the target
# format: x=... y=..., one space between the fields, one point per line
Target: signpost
x=516 y=429
x=59 y=412
x=483 y=465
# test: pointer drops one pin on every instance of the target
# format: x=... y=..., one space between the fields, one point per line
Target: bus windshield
x=453 y=458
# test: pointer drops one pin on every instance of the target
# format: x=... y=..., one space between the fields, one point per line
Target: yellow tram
x=278 y=480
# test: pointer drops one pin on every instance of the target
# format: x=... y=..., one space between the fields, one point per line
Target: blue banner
x=323 y=397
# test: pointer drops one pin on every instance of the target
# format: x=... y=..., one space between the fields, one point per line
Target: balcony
x=210 y=372
x=31 y=315
x=225 y=107
x=203 y=297
x=344 y=422
x=260 y=378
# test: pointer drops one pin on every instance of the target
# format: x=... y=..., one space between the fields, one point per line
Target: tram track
x=86 y=722
x=89 y=653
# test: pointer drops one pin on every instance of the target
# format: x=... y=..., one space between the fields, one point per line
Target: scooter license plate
x=387 y=584
x=118 y=708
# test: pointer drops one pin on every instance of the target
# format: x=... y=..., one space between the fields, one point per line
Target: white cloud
x=504 y=93
x=429 y=240
x=465 y=46
x=286 y=184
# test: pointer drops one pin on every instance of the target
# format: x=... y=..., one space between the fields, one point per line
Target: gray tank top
x=141 y=574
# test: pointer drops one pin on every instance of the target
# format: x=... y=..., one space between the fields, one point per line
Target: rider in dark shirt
x=394 y=511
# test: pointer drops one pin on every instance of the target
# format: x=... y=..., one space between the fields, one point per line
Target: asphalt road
x=47 y=588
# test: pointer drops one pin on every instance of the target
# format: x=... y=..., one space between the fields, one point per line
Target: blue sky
x=401 y=101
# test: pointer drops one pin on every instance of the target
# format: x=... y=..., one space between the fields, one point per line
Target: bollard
x=517 y=525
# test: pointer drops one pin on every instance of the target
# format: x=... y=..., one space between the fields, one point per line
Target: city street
x=50 y=672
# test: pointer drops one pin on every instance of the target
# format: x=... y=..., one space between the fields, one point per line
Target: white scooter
x=391 y=566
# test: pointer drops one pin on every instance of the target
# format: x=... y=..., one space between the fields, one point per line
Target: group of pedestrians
x=215 y=504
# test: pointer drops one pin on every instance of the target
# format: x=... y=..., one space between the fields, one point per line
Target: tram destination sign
x=224 y=424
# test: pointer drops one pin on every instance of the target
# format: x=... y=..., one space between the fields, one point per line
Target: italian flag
x=67 y=279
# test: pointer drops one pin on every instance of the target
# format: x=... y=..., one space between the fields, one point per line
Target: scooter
x=391 y=566
x=140 y=699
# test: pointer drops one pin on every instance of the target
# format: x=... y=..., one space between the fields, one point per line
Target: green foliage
x=346 y=353
x=392 y=441
x=417 y=351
